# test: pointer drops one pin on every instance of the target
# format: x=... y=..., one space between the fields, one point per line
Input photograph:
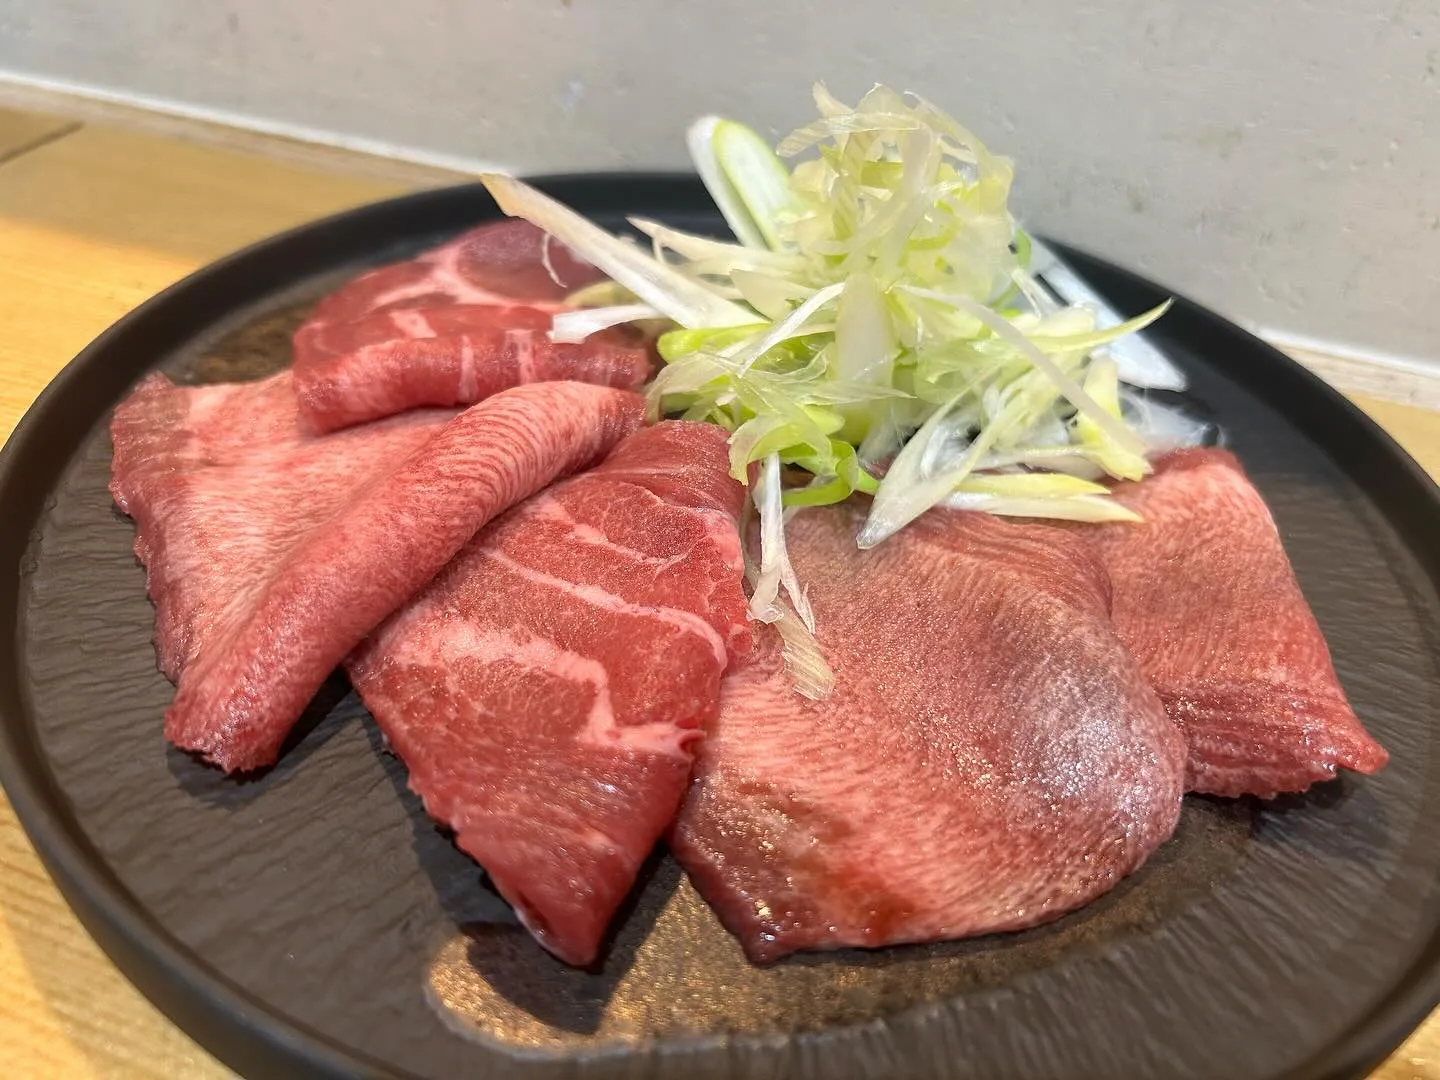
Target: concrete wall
x=1279 y=160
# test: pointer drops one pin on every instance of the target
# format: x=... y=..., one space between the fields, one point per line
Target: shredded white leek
x=876 y=326
x=804 y=660
x=775 y=568
x=657 y=285
x=579 y=324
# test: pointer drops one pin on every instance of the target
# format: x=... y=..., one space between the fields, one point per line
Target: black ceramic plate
x=314 y=922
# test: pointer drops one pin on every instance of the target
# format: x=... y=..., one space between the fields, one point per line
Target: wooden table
x=95 y=218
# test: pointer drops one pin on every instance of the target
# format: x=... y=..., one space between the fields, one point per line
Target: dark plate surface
x=313 y=921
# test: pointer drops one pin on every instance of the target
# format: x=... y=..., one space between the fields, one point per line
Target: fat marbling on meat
x=271 y=553
x=451 y=327
x=546 y=690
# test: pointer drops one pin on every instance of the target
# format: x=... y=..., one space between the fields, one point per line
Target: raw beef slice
x=451 y=327
x=991 y=756
x=499 y=262
x=546 y=690
x=271 y=554
x=1207 y=602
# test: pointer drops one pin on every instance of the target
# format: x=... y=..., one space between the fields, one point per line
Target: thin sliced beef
x=451 y=327
x=1207 y=602
x=500 y=262
x=991 y=756
x=318 y=342
x=546 y=690
x=426 y=362
x=271 y=553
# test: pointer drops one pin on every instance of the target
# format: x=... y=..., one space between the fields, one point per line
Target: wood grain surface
x=95 y=217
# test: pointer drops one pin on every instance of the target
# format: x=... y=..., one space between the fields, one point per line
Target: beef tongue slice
x=991 y=756
x=271 y=553
x=1206 y=600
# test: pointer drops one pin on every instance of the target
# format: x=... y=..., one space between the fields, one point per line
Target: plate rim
x=254 y=1038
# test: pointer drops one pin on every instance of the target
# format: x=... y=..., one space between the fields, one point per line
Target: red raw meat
x=1207 y=602
x=451 y=327
x=319 y=341
x=500 y=262
x=546 y=689
x=199 y=542
x=991 y=756
x=271 y=553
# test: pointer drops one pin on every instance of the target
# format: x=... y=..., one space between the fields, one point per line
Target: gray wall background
x=1278 y=160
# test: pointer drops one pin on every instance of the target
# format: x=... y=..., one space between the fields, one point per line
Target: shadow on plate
x=671 y=972
x=322 y=719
